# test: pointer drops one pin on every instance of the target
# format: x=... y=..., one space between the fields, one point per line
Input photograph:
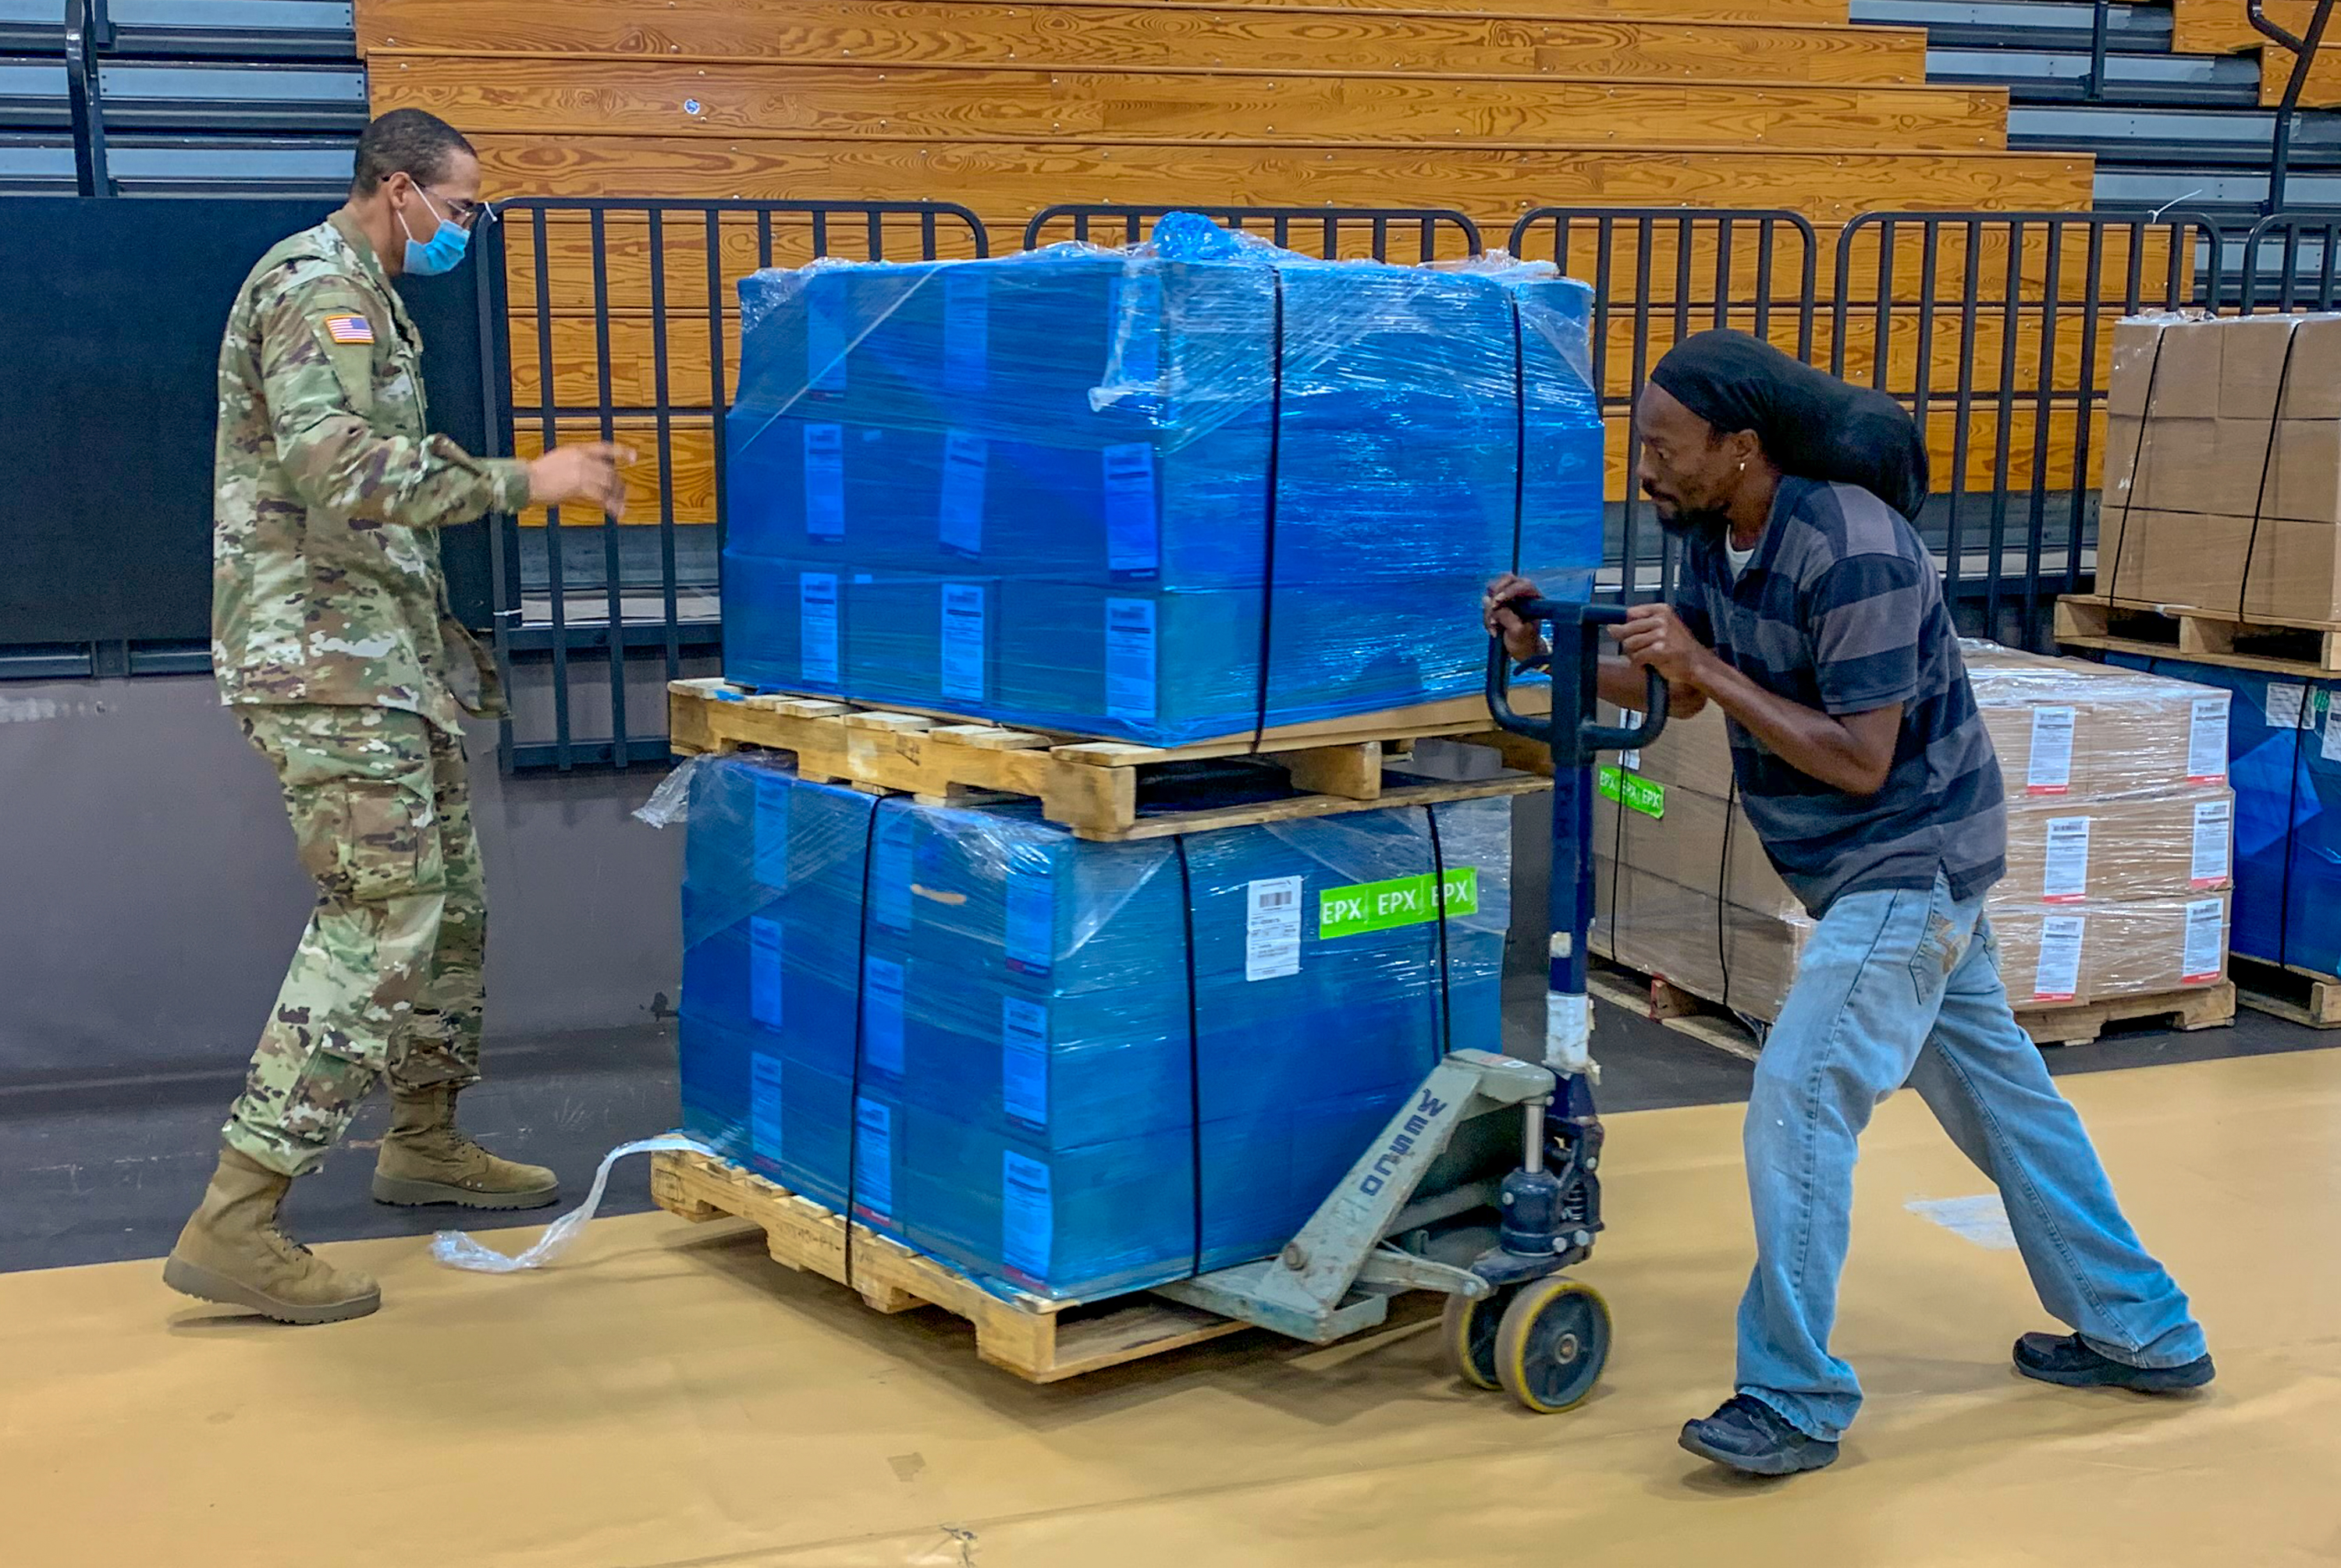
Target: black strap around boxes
x=1268 y=537
x=860 y=1035
x=1723 y=885
x=1519 y=424
x=1194 y=1047
x=2267 y=466
x=1446 y=1038
x=2137 y=470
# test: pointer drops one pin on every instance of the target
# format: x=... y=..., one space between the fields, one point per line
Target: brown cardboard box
x=2313 y=391
x=2129 y=734
x=1739 y=958
x=1696 y=750
x=1686 y=844
x=2257 y=353
x=2079 y=851
x=2190 y=560
x=2050 y=956
x=2303 y=471
x=2171 y=359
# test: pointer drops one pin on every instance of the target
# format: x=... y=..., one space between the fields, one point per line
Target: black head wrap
x=1812 y=425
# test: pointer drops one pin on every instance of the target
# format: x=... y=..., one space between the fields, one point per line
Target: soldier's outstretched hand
x=587 y=471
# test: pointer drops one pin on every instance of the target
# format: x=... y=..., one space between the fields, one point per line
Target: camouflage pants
x=387 y=978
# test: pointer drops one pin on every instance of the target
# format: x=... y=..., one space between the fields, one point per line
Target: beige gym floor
x=669 y=1396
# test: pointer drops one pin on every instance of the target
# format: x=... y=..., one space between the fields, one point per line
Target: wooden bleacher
x=1494 y=107
x=2221 y=28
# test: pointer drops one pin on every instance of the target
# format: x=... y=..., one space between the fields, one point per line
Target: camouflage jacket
x=326 y=585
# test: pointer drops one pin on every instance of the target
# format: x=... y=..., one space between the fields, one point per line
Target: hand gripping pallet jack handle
x=1412 y=1212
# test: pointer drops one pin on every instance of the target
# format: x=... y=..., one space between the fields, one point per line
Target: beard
x=1689 y=521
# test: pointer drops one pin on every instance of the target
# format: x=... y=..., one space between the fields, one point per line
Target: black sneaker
x=1749 y=1437
x=2068 y=1362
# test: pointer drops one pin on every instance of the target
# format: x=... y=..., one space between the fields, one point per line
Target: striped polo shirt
x=1841 y=609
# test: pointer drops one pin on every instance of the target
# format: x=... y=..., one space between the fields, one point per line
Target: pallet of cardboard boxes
x=2120 y=831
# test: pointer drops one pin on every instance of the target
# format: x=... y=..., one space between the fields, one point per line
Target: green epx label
x=1400 y=901
x=1634 y=792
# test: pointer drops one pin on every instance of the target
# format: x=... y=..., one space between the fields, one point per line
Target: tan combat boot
x=231 y=1253
x=426 y=1160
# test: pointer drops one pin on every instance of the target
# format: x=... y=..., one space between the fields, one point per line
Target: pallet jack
x=1412 y=1214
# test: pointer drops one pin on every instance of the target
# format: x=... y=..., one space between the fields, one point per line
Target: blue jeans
x=1900 y=986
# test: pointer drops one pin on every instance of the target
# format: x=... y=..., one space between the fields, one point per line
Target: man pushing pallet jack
x=1811 y=613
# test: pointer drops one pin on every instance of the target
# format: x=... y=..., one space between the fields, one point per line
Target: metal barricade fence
x=615 y=320
x=1993 y=328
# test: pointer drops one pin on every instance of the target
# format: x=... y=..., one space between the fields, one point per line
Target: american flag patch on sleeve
x=349 y=328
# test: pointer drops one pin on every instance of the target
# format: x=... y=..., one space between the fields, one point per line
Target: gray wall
x=149 y=898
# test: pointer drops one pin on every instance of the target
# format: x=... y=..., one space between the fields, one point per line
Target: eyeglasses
x=461 y=213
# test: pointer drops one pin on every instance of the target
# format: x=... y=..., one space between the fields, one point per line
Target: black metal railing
x=2304 y=55
x=1995 y=330
x=1658 y=276
x=2301 y=276
x=87 y=30
x=1438 y=233
x=612 y=319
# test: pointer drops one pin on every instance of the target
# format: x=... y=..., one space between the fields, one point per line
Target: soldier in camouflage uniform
x=334 y=647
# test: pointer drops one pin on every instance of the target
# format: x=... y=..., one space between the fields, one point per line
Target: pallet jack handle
x=1574 y=665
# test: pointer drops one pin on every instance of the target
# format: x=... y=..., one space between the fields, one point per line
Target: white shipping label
x=964 y=644
x=2050 y=771
x=2207 y=740
x=2213 y=859
x=2206 y=942
x=2057 y=976
x=2066 y=877
x=1273 y=928
x=1631 y=761
x=2284 y=704
x=2329 y=746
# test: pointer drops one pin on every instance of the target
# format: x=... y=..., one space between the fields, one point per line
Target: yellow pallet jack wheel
x=1468 y=1328
x=1552 y=1343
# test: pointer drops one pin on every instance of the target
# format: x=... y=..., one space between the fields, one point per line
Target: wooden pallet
x=1088 y=786
x=2308 y=649
x=1039 y=1341
x=2304 y=996
x=1704 y=1018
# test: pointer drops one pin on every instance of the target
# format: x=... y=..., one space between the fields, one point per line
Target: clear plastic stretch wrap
x=2122 y=833
x=2284 y=736
x=2222 y=465
x=1068 y=1068
x=1180 y=491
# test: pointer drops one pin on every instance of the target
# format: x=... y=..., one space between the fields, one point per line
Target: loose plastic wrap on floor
x=1165 y=493
x=1016 y=1079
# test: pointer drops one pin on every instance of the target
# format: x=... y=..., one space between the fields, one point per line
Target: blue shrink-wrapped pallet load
x=1071 y=1068
x=2283 y=736
x=1160 y=494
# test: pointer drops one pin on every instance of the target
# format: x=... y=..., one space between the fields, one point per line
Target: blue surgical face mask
x=445 y=251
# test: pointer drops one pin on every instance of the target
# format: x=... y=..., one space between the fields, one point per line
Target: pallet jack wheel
x=1552 y=1344
x=1470 y=1329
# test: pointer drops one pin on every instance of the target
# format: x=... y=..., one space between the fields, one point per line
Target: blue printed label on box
x=962 y=660
x=890 y=870
x=967 y=331
x=874 y=1159
x=764 y=970
x=769 y=864
x=882 y=1016
x=764 y=1106
x=959 y=525
x=817 y=627
x=1133 y=542
x=1024 y=1060
x=1032 y=934
x=824 y=480
x=825 y=340
x=1027 y=1220
x=1130 y=658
